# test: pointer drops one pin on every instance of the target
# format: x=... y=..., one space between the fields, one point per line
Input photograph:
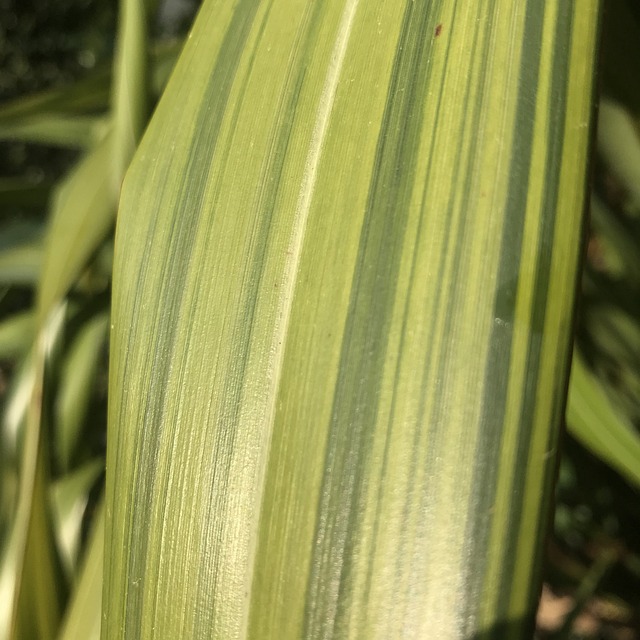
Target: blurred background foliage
x=57 y=117
x=56 y=68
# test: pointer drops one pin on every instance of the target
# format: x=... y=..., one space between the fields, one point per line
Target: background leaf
x=84 y=612
x=593 y=420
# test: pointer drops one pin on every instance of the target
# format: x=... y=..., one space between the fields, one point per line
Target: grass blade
x=593 y=421
x=130 y=90
x=82 y=215
x=31 y=590
x=344 y=275
x=16 y=334
x=64 y=131
x=84 y=612
x=70 y=496
x=77 y=381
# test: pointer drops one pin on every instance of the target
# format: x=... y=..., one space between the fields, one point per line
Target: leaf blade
x=310 y=243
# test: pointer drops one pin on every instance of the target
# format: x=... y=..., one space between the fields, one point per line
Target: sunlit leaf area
x=289 y=296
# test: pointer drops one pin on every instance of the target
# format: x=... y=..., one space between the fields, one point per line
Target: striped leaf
x=345 y=266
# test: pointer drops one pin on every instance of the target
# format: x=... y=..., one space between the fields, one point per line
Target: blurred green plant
x=55 y=410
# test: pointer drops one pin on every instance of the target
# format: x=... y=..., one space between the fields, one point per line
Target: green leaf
x=619 y=144
x=20 y=263
x=82 y=620
x=82 y=215
x=31 y=588
x=593 y=421
x=345 y=267
x=64 y=131
x=89 y=94
x=618 y=239
x=85 y=205
x=16 y=403
x=69 y=497
x=616 y=334
x=77 y=381
x=16 y=334
x=130 y=90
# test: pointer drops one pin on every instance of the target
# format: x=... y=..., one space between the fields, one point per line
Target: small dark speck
x=438 y=30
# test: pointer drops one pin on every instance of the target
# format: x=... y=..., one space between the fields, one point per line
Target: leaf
x=345 y=266
x=20 y=264
x=16 y=334
x=64 y=131
x=619 y=144
x=83 y=615
x=82 y=215
x=91 y=93
x=16 y=403
x=85 y=205
x=130 y=90
x=69 y=496
x=31 y=589
x=593 y=421
x=618 y=238
x=77 y=381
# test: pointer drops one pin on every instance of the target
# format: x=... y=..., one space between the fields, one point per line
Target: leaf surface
x=345 y=267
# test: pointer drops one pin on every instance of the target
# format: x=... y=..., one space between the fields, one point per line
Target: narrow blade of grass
x=82 y=215
x=131 y=85
x=31 y=586
x=83 y=615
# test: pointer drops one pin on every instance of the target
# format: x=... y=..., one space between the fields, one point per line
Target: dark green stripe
x=555 y=141
x=365 y=340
